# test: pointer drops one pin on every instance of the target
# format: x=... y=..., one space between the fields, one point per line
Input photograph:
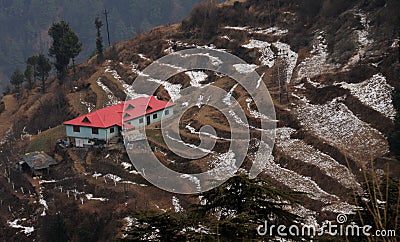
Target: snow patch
x=375 y=93
x=196 y=77
x=175 y=202
x=111 y=98
x=335 y=124
x=317 y=63
x=267 y=57
x=269 y=31
x=89 y=196
x=14 y=224
x=245 y=68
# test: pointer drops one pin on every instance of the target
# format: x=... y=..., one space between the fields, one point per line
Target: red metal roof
x=112 y=115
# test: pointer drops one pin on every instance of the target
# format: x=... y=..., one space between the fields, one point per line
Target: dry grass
x=46 y=140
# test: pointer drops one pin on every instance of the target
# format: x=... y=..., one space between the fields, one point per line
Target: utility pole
x=108 y=32
x=285 y=74
x=279 y=78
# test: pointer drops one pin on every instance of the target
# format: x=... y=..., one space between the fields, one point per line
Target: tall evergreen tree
x=17 y=78
x=43 y=69
x=65 y=47
x=99 y=39
x=29 y=76
x=242 y=204
x=33 y=61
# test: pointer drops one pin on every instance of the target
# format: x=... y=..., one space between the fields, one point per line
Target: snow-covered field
x=317 y=63
x=294 y=181
x=374 y=92
x=299 y=150
x=267 y=57
x=334 y=123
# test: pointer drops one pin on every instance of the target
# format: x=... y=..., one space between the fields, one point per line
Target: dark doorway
x=148 y=120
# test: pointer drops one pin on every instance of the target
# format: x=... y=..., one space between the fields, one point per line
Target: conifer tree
x=99 y=39
x=43 y=69
x=29 y=76
x=65 y=47
x=17 y=78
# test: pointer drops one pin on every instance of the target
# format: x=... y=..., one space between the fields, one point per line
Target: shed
x=36 y=162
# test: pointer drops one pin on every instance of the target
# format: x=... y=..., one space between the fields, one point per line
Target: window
x=112 y=130
x=154 y=116
x=167 y=112
x=141 y=120
x=77 y=129
x=130 y=106
x=86 y=120
x=95 y=130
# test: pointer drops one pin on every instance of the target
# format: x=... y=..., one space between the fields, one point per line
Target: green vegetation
x=43 y=69
x=45 y=141
x=17 y=79
x=65 y=47
x=99 y=40
x=230 y=212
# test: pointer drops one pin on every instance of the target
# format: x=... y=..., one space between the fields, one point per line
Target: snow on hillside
x=269 y=31
x=196 y=78
x=89 y=106
x=362 y=38
x=362 y=35
x=288 y=57
x=334 y=123
x=177 y=206
x=245 y=68
x=224 y=165
x=375 y=93
x=267 y=57
x=255 y=113
x=299 y=150
x=111 y=98
x=193 y=131
x=14 y=224
x=293 y=180
x=174 y=90
x=128 y=89
x=317 y=63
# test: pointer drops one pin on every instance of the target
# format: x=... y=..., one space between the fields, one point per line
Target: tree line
x=65 y=47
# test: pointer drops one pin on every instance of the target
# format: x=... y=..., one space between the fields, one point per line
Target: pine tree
x=29 y=76
x=33 y=61
x=17 y=78
x=243 y=204
x=43 y=69
x=65 y=47
x=99 y=39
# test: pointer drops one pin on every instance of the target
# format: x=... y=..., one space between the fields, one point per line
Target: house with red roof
x=101 y=125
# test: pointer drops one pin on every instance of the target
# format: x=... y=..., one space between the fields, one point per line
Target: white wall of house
x=154 y=118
